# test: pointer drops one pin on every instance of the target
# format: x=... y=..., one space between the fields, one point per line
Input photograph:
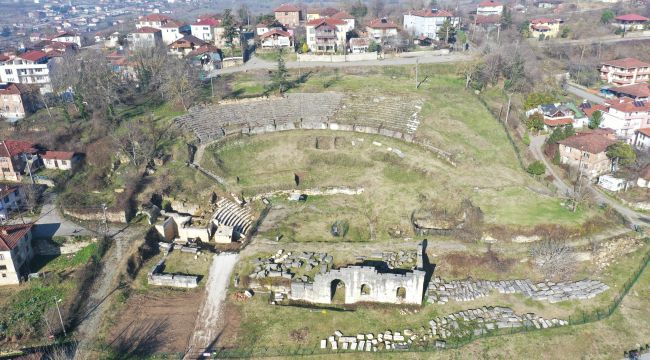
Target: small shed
x=611 y=183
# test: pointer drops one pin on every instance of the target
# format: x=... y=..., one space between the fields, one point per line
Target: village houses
x=31 y=67
x=12 y=199
x=15 y=253
x=146 y=37
x=16 y=101
x=381 y=29
x=275 y=38
x=489 y=8
x=550 y=28
x=66 y=37
x=60 y=160
x=631 y=22
x=326 y=35
x=560 y=115
x=625 y=116
x=15 y=157
x=288 y=15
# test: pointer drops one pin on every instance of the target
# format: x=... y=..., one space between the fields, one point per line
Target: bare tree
x=377 y=7
x=180 y=83
x=553 y=258
x=32 y=194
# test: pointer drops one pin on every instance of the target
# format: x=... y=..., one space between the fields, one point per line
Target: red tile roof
x=628 y=105
x=172 y=24
x=275 y=32
x=58 y=155
x=430 y=13
x=595 y=107
x=147 y=30
x=208 y=22
x=644 y=131
x=543 y=21
x=11 y=148
x=187 y=42
x=632 y=17
x=645 y=173
x=207 y=48
x=593 y=143
x=4 y=57
x=489 y=3
x=328 y=21
x=62 y=34
x=10 y=235
x=382 y=24
x=559 y=121
x=33 y=55
x=626 y=63
x=287 y=8
x=9 y=89
x=155 y=17
x=641 y=90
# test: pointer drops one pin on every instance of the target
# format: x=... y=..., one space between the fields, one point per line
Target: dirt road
x=210 y=322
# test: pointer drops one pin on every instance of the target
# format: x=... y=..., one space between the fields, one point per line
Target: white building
x=427 y=22
x=146 y=37
x=15 y=253
x=276 y=39
x=152 y=20
x=11 y=200
x=171 y=31
x=31 y=67
x=487 y=8
x=349 y=20
x=626 y=116
x=642 y=139
x=60 y=160
x=381 y=29
x=326 y=35
x=611 y=183
x=67 y=37
x=204 y=29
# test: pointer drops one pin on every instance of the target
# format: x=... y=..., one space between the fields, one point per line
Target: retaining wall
x=337 y=58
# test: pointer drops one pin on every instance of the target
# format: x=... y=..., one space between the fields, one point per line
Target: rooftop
x=58 y=155
x=632 y=17
x=626 y=63
x=10 y=235
x=430 y=13
x=287 y=8
x=11 y=148
x=593 y=143
x=382 y=24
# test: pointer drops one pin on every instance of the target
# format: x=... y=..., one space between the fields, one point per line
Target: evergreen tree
x=447 y=32
x=229 y=29
x=596 y=119
x=506 y=18
x=280 y=79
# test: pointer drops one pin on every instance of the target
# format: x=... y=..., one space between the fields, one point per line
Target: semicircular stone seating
x=229 y=213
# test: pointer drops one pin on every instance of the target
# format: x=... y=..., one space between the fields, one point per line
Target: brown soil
x=151 y=324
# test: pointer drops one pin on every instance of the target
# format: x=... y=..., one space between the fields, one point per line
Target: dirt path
x=104 y=286
x=210 y=322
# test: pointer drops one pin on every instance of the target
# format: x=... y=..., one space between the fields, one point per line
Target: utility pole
x=105 y=220
x=29 y=168
x=498 y=32
x=417 y=65
x=56 y=302
x=508 y=109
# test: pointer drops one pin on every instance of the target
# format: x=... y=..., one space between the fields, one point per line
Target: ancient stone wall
x=380 y=287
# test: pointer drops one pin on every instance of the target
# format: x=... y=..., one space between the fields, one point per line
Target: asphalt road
x=581 y=93
x=259 y=64
x=51 y=223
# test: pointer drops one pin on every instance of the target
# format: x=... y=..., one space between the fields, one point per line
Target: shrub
x=536 y=168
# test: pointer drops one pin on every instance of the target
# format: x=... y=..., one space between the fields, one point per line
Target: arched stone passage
x=365 y=289
x=337 y=291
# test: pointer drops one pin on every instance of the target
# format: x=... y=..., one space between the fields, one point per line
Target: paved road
x=565 y=189
x=259 y=64
x=51 y=223
x=594 y=41
x=583 y=94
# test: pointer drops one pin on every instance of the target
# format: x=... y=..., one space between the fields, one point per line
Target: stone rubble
x=441 y=291
x=474 y=322
x=285 y=264
x=398 y=259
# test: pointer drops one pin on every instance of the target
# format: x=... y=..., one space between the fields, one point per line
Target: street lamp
x=56 y=302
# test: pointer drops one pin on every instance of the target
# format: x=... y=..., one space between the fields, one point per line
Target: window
x=8 y=71
x=3 y=267
x=4 y=275
x=2 y=257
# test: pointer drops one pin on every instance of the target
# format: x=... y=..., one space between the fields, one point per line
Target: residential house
x=612 y=183
x=16 y=157
x=625 y=71
x=349 y=19
x=66 y=37
x=31 y=67
x=263 y=28
x=560 y=115
x=625 y=116
x=288 y=15
x=631 y=22
x=185 y=45
x=60 y=160
x=487 y=21
x=321 y=13
x=488 y=8
x=427 y=22
x=642 y=139
x=359 y=45
x=12 y=199
x=146 y=37
x=548 y=4
x=152 y=20
x=16 y=101
x=381 y=29
x=208 y=57
x=550 y=28
x=276 y=39
x=172 y=30
x=587 y=152
x=15 y=253
x=326 y=35
x=204 y=28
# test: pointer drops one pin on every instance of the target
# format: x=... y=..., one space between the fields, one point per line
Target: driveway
x=583 y=94
x=258 y=64
x=51 y=223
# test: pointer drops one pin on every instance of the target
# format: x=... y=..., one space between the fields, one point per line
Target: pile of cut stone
x=285 y=264
x=482 y=320
x=441 y=291
x=373 y=342
x=397 y=259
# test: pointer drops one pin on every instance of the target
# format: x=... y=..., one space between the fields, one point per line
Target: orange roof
x=644 y=131
x=593 y=143
x=489 y=3
x=382 y=24
x=641 y=90
x=632 y=17
x=33 y=55
x=342 y=15
x=275 y=32
x=628 y=105
x=155 y=17
x=595 y=107
x=147 y=30
x=10 y=235
x=11 y=148
x=9 y=89
x=58 y=155
x=559 y=121
x=208 y=22
x=543 y=21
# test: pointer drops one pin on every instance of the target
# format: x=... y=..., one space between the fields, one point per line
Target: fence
x=450 y=343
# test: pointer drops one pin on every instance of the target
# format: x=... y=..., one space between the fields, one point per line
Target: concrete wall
x=383 y=287
x=157 y=277
x=113 y=216
x=337 y=58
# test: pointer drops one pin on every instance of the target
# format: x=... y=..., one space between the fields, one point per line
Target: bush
x=536 y=168
x=526 y=139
